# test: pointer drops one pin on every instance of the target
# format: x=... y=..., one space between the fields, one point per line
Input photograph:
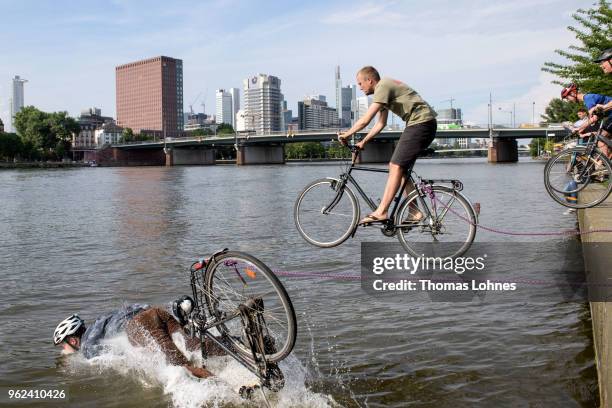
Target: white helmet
x=67 y=327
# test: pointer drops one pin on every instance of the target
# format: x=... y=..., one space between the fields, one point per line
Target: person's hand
x=199 y=372
x=595 y=109
x=360 y=145
x=342 y=138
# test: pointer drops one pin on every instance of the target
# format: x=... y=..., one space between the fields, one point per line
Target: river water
x=89 y=240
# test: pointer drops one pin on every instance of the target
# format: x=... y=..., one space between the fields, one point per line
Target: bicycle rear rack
x=457 y=184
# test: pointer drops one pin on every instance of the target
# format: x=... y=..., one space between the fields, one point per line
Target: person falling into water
x=148 y=327
x=397 y=97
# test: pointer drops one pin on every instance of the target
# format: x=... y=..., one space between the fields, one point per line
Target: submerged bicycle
x=567 y=174
x=327 y=213
x=242 y=307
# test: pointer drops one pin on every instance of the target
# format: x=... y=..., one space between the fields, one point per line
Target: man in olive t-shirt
x=397 y=97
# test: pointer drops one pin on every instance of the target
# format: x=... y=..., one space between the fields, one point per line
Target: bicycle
x=242 y=307
x=326 y=213
x=569 y=172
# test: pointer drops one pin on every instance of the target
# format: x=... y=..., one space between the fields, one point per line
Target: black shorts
x=413 y=139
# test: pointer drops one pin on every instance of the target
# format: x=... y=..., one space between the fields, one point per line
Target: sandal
x=371 y=218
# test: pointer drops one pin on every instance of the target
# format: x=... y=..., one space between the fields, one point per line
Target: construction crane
x=194 y=101
x=451 y=100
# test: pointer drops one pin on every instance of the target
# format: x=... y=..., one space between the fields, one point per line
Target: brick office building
x=150 y=96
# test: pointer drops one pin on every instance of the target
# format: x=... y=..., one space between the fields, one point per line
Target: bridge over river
x=269 y=148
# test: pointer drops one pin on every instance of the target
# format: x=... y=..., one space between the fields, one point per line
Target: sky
x=444 y=49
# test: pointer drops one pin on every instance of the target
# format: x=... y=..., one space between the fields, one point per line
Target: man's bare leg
x=396 y=174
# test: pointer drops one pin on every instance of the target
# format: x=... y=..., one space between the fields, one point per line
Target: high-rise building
x=235 y=92
x=224 y=107
x=286 y=116
x=150 y=96
x=346 y=98
x=313 y=113
x=353 y=104
x=17 y=102
x=361 y=107
x=339 y=105
x=262 y=103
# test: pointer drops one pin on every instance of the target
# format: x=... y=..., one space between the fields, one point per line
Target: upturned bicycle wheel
x=576 y=179
x=233 y=279
x=325 y=214
x=446 y=229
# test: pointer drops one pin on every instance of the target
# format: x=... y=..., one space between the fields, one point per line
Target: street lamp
x=510 y=112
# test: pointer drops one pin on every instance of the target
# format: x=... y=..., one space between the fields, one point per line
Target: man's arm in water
x=158 y=325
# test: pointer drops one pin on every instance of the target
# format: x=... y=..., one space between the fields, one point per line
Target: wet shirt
x=402 y=100
x=107 y=326
x=591 y=100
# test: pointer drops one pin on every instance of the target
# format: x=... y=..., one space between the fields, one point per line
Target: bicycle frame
x=249 y=313
x=420 y=187
x=591 y=149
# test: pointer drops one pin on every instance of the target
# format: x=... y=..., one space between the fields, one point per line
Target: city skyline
x=455 y=52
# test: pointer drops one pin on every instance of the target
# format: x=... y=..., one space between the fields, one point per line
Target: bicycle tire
x=567 y=166
x=318 y=228
x=429 y=244
x=226 y=287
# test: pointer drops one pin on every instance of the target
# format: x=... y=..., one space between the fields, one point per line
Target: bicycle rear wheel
x=233 y=279
x=448 y=230
x=324 y=215
x=568 y=174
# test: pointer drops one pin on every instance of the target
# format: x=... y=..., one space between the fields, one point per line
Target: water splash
x=150 y=370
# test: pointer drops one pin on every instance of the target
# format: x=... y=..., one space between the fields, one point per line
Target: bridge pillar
x=503 y=151
x=377 y=152
x=187 y=156
x=259 y=154
x=169 y=155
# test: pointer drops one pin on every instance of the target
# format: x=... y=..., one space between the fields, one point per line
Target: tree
x=559 y=111
x=127 y=135
x=45 y=132
x=202 y=132
x=33 y=126
x=594 y=34
x=225 y=128
x=10 y=145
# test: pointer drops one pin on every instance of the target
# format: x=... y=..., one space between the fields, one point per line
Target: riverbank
x=598 y=259
x=41 y=165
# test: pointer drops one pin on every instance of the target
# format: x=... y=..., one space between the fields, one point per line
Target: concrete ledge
x=598 y=262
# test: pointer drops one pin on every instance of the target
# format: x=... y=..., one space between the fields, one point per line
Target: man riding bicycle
x=591 y=101
x=395 y=96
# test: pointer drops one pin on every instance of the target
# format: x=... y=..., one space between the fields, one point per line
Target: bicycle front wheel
x=325 y=213
x=568 y=174
x=232 y=280
x=443 y=225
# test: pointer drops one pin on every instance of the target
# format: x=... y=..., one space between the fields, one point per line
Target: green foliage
x=44 y=133
x=337 y=151
x=559 y=111
x=201 y=132
x=540 y=145
x=304 y=150
x=225 y=128
x=11 y=146
x=593 y=30
x=127 y=135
